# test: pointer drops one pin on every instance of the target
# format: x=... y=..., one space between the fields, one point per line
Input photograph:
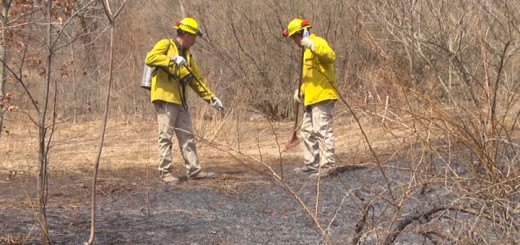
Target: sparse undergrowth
x=433 y=201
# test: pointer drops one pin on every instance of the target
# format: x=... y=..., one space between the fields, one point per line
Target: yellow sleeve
x=323 y=51
x=158 y=55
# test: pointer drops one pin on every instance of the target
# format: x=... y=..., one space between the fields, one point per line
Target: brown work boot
x=202 y=175
x=169 y=178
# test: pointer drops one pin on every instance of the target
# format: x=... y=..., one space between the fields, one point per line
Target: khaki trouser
x=317 y=135
x=173 y=118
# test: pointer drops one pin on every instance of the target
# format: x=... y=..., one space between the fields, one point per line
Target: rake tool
x=294 y=140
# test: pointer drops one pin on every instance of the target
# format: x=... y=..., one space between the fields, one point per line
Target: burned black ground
x=241 y=206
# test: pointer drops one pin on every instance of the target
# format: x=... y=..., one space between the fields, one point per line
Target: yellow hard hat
x=295 y=26
x=189 y=25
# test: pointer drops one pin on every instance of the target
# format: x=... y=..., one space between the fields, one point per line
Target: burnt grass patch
x=240 y=206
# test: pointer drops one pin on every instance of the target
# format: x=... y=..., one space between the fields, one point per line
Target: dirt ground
x=239 y=207
x=245 y=204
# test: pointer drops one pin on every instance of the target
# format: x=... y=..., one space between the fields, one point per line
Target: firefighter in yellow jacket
x=318 y=93
x=175 y=69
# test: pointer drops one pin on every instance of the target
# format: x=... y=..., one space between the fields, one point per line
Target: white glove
x=297 y=97
x=307 y=43
x=306 y=32
x=215 y=102
x=179 y=60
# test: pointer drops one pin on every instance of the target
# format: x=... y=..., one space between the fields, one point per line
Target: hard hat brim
x=289 y=34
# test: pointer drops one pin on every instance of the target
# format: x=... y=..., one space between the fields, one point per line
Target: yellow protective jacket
x=319 y=82
x=167 y=87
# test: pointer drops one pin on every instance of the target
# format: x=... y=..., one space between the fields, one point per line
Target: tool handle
x=297 y=105
x=203 y=87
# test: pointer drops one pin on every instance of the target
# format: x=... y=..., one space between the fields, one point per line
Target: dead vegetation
x=429 y=101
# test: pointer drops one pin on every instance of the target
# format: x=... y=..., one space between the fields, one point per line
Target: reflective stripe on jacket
x=319 y=81
x=166 y=87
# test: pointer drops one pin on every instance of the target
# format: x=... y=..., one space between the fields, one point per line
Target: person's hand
x=179 y=60
x=297 y=96
x=307 y=43
x=215 y=102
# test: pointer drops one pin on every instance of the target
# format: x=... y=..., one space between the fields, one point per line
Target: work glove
x=179 y=60
x=297 y=96
x=215 y=102
x=307 y=43
x=306 y=32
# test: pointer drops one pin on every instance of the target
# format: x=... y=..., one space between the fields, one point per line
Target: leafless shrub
x=461 y=98
x=438 y=78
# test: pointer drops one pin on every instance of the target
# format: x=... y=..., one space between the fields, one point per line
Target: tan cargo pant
x=174 y=118
x=317 y=134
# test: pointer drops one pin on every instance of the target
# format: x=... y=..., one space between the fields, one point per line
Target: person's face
x=189 y=40
x=297 y=38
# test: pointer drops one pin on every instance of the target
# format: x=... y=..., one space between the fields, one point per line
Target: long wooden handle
x=296 y=104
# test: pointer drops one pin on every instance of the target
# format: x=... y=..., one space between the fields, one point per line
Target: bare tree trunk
x=42 y=187
x=3 y=56
x=111 y=18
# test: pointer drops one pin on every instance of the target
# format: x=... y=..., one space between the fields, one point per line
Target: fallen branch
x=392 y=235
x=360 y=225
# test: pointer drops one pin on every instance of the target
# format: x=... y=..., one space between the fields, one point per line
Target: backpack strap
x=180 y=50
x=170 y=75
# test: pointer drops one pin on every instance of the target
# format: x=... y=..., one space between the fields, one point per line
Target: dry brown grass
x=131 y=142
x=444 y=103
